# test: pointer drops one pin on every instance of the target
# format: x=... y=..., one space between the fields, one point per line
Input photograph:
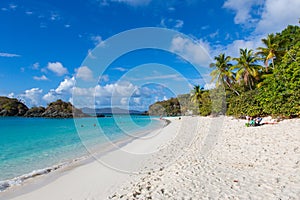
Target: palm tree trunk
x=232 y=88
x=266 y=64
x=249 y=82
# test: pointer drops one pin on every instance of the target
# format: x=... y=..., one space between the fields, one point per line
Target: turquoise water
x=28 y=144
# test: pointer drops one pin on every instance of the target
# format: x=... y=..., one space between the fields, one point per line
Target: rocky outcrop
x=35 y=112
x=12 y=107
x=57 y=109
x=61 y=109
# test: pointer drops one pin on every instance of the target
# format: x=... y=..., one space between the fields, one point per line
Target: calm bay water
x=28 y=144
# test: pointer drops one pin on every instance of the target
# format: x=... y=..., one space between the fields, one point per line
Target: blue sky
x=44 y=45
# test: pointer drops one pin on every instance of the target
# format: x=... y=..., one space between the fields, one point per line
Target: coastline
x=38 y=178
x=195 y=157
x=99 y=150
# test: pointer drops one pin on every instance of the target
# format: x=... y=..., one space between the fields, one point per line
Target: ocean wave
x=4 y=185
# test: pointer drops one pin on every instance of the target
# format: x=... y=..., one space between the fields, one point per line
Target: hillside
x=12 y=107
x=61 y=109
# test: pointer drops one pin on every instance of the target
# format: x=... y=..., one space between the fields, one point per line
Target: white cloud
x=97 y=39
x=267 y=16
x=123 y=101
x=65 y=88
x=104 y=78
x=171 y=9
x=50 y=96
x=179 y=24
x=242 y=8
x=9 y=55
x=209 y=86
x=90 y=54
x=213 y=35
x=117 y=94
x=57 y=68
x=11 y=95
x=134 y=2
x=233 y=49
x=171 y=23
x=121 y=69
x=36 y=66
x=40 y=78
x=66 y=85
x=55 y=17
x=13 y=6
x=195 y=52
x=137 y=100
x=277 y=14
x=28 y=12
x=32 y=95
x=117 y=90
x=84 y=73
x=124 y=89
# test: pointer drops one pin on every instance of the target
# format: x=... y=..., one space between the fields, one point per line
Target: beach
x=191 y=158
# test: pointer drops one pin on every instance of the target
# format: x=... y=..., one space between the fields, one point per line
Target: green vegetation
x=12 y=107
x=170 y=107
x=244 y=86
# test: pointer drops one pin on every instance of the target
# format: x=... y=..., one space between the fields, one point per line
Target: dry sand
x=192 y=158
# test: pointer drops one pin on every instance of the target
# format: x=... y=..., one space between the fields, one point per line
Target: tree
x=247 y=69
x=270 y=50
x=281 y=92
x=222 y=73
x=196 y=95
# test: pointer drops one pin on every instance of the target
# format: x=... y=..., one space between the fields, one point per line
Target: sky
x=53 y=49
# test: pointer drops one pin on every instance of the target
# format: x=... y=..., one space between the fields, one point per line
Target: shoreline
x=195 y=157
x=23 y=180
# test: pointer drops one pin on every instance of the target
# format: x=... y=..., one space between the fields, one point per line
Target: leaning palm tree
x=222 y=73
x=247 y=69
x=268 y=52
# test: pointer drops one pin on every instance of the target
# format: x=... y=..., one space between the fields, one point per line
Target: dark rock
x=35 y=112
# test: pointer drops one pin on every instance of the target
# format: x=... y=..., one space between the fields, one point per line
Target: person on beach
x=251 y=121
x=257 y=121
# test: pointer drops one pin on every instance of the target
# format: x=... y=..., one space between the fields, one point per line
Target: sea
x=35 y=146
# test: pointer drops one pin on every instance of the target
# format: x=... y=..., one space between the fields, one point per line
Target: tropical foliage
x=247 y=68
x=266 y=82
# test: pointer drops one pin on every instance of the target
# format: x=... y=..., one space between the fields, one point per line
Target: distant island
x=110 y=111
x=57 y=109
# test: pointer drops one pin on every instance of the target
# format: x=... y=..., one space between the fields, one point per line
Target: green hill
x=12 y=107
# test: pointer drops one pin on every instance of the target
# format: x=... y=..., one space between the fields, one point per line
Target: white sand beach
x=191 y=158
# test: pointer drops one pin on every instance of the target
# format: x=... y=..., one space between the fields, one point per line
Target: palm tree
x=246 y=66
x=196 y=94
x=222 y=73
x=270 y=51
